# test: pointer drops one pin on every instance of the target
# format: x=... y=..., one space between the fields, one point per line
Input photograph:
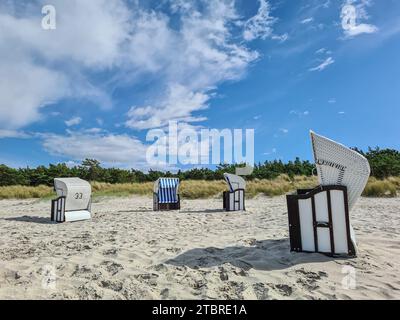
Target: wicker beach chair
x=73 y=202
x=234 y=199
x=166 y=194
x=319 y=218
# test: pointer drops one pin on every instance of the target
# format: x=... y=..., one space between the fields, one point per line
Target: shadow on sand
x=40 y=220
x=264 y=255
x=136 y=211
x=204 y=211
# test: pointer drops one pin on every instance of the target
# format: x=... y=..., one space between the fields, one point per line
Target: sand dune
x=129 y=252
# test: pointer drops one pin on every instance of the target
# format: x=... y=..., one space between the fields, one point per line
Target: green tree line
x=384 y=163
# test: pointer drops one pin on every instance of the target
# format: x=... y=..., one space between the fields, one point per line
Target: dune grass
x=198 y=189
x=24 y=192
x=382 y=188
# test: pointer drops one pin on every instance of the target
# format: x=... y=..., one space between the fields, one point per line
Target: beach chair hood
x=77 y=192
x=234 y=182
x=339 y=165
x=167 y=190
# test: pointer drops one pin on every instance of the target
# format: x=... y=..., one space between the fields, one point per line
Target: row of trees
x=384 y=163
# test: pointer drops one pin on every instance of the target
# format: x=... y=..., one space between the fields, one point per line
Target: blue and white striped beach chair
x=166 y=194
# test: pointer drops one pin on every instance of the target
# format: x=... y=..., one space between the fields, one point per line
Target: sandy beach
x=127 y=251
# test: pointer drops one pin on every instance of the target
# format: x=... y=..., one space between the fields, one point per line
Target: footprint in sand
x=110 y=252
x=283 y=289
x=112 y=267
x=148 y=278
x=261 y=291
x=116 y=286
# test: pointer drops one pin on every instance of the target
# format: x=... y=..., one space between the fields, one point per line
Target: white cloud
x=260 y=26
x=281 y=38
x=109 y=149
x=73 y=121
x=192 y=60
x=101 y=35
x=178 y=105
x=322 y=51
x=324 y=64
x=46 y=66
x=185 y=62
x=25 y=88
x=352 y=12
x=332 y=101
x=284 y=131
x=4 y=133
x=307 y=20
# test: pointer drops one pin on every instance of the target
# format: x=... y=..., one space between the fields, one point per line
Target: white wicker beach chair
x=319 y=219
x=339 y=165
x=73 y=202
x=234 y=199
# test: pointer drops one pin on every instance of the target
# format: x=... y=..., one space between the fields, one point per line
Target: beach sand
x=127 y=251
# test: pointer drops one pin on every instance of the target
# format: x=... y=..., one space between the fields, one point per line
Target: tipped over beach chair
x=73 y=202
x=319 y=218
x=166 y=194
x=234 y=199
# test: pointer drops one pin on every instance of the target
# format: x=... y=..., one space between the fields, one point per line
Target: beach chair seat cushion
x=72 y=216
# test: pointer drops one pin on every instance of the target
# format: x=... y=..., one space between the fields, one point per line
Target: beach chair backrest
x=339 y=165
x=167 y=190
x=77 y=193
x=234 y=182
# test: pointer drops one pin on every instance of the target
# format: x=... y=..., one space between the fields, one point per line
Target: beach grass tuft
x=382 y=188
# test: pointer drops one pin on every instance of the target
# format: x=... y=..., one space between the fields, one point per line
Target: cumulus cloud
x=325 y=64
x=110 y=149
x=185 y=60
x=352 y=12
x=25 y=88
x=178 y=105
x=45 y=66
x=193 y=60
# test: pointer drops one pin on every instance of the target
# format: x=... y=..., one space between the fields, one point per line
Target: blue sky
x=112 y=71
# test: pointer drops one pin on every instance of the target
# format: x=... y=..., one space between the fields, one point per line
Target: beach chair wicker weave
x=339 y=165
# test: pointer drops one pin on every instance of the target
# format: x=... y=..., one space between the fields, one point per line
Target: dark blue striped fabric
x=167 y=192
